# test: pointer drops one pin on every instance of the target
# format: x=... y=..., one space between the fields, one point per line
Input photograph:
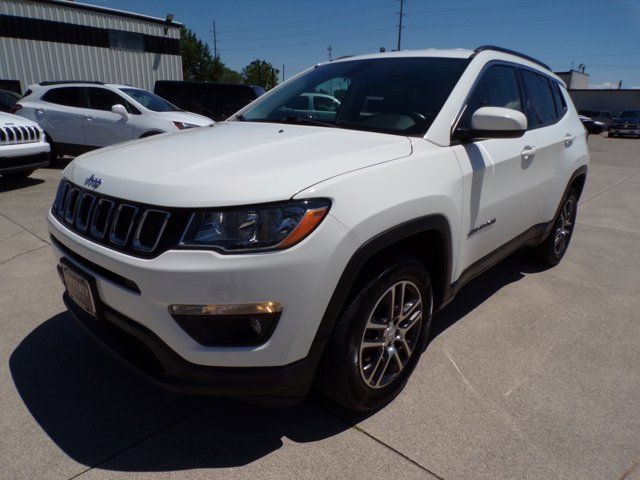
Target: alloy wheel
x=564 y=227
x=391 y=334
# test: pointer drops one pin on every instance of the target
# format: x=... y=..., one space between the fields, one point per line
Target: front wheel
x=553 y=248
x=379 y=338
x=54 y=153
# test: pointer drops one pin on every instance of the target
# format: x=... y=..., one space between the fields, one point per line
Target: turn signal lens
x=184 y=125
x=307 y=225
x=231 y=309
x=218 y=325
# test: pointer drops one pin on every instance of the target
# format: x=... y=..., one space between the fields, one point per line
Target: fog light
x=255 y=324
x=228 y=325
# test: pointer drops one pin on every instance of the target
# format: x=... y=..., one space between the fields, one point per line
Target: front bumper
x=21 y=157
x=302 y=278
x=139 y=349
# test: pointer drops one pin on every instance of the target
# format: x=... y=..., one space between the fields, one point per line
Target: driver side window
x=498 y=87
x=103 y=99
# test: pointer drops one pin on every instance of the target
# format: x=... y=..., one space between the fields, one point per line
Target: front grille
x=138 y=229
x=10 y=135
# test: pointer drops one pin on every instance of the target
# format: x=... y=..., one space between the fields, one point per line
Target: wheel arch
x=578 y=179
x=429 y=238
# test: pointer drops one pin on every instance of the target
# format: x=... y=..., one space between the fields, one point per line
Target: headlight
x=183 y=125
x=259 y=228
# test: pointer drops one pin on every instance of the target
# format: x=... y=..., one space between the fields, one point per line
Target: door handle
x=89 y=117
x=528 y=152
x=40 y=110
x=568 y=139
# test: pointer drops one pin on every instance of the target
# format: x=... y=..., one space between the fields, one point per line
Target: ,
x=293 y=245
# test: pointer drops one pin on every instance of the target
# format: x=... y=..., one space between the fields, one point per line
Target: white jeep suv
x=23 y=147
x=271 y=250
x=82 y=116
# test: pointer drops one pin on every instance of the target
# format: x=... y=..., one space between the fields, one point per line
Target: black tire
x=17 y=175
x=340 y=376
x=552 y=249
x=54 y=153
x=611 y=135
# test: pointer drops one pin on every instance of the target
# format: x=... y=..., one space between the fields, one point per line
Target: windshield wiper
x=293 y=119
x=306 y=121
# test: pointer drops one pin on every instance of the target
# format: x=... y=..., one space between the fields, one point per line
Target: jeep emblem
x=92 y=182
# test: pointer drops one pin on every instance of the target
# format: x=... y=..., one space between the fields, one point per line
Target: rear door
x=496 y=172
x=102 y=127
x=553 y=134
x=60 y=114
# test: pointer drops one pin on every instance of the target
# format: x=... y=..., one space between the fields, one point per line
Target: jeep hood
x=232 y=163
x=7 y=119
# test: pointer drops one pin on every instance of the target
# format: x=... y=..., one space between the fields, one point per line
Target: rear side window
x=498 y=87
x=67 y=96
x=561 y=104
x=541 y=109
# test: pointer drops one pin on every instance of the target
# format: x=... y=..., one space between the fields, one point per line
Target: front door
x=496 y=172
x=102 y=127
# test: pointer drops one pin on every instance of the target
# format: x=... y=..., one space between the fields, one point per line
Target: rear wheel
x=553 y=248
x=379 y=338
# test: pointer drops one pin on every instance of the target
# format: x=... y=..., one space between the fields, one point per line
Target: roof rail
x=510 y=52
x=60 y=82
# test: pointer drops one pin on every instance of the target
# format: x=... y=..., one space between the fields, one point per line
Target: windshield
x=391 y=95
x=630 y=114
x=149 y=100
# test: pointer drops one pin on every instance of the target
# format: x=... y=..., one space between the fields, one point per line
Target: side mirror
x=120 y=110
x=495 y=122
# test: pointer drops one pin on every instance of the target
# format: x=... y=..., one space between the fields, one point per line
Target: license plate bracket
x=80 y=287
